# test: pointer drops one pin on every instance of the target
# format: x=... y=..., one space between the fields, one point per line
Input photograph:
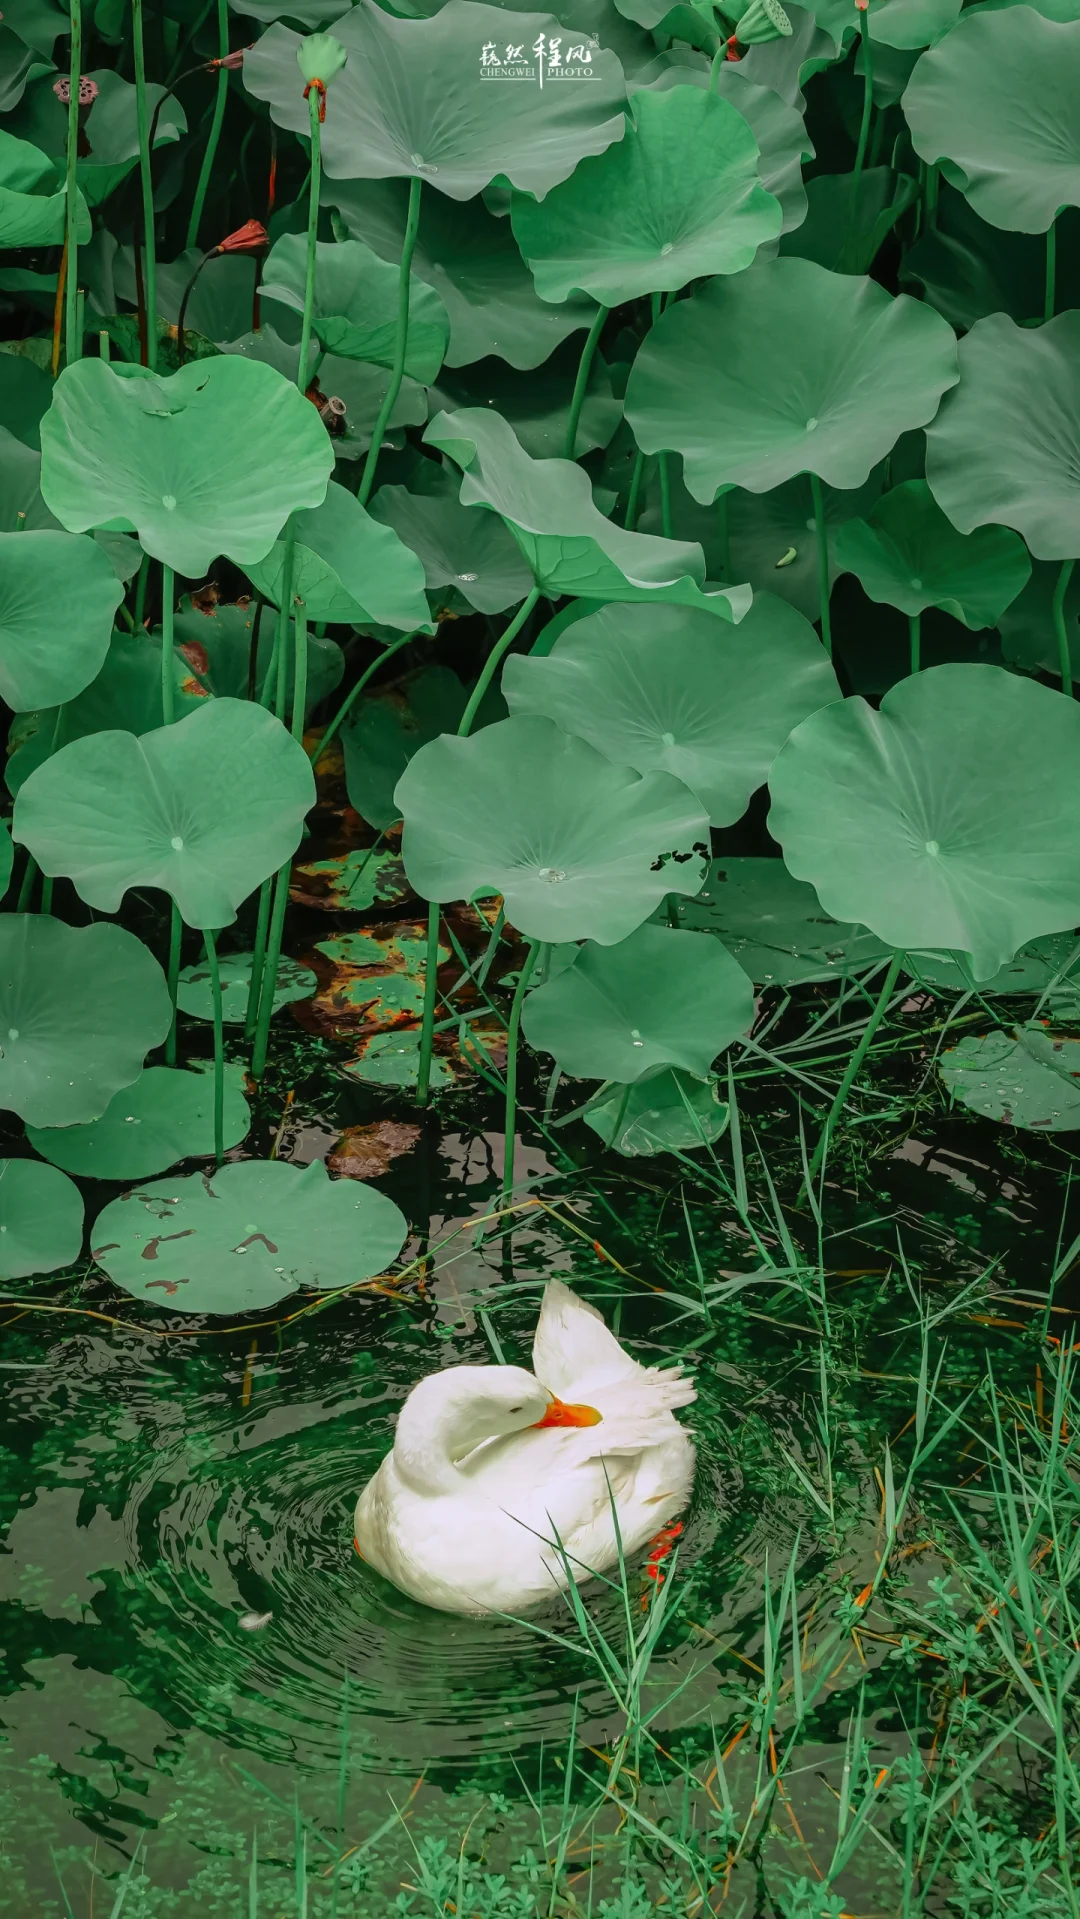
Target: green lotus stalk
x=168 y=714
x=630 y=518
x=258 y=956
x=149 y=244
x=1061 y=630
x=664 y=461
x=314 y=102
x=856 y=1060
x=851 y=233
x=72 y=335
x=271 y=922
x=724 y=535
x=821 y=535
x=915 y=637
x=347 y=704
x=582 y=381
x=300 y=662
x=219 y=1046
x=1050 y=298
x=427 y=1023
x=412 y=223
x=210 y=153
x=512 y=1032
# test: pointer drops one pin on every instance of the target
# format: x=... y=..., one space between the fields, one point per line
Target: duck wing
x=577 y=1358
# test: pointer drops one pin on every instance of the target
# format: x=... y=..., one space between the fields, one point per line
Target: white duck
x=489 y=1465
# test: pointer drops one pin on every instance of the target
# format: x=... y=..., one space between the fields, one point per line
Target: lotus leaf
x=669 y=1112
x=393 y=1059
x=536 y=404
x=126 y=693
x=111 y=148
x=911 y=23
x=33 y=198
x=772 y=536
x=384 y=733
x=165 y=1117
x=568 y=543
x=415 y=101
x=459 y=546
x=131 y=452
x=361 y=387
x=194 y=995
x=22 y=508
x=1006 y=449
x=779 y=129
x=787 y=369
x=907 y=554
x=7 y=858
x=79 y=1009
x=775 y=926
x=948 y=819
x=970 y=269
x=1030 y=1078
x=1045 y=966
x=346 y=566
x=668 y=689
x=850 y=245
x=658 y=998
x=206 y=809
x=470 y=258
x=995 y=107
x=679 y=196
x=178 y=1243
x=356 y=304
x=58 y=595
x=41 y=1219
x=579 y=848
x=350 y=882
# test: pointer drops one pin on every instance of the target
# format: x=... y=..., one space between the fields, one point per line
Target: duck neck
x=428 y=1444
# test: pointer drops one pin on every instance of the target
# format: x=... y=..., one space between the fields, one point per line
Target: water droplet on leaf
x=168 y=501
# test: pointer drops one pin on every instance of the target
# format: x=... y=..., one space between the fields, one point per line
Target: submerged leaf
x=669 y=1112
x=1030 y=1078
x=195 y=997
x=775 y=925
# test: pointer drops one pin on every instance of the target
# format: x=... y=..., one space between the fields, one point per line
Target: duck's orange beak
x=559 y=1413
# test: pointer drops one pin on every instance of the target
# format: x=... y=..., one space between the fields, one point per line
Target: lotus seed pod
x=320 y=56
x=763 y=20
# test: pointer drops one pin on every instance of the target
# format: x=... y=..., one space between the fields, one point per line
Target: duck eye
x=515 y=1409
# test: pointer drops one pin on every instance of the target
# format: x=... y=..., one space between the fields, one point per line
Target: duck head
x=452 y=1412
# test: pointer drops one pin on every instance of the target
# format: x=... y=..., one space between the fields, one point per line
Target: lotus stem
x=315 y=179
x=412 y=223
x=1051 y=272
x=725 y=536
x=630 y=519
x=22 y=904
x=264 y=962
x=251 y=1014
x=150 y=261
x=72 y=338
x=851 y=232
x=175 y=933
x=665 y=495
x=582 y=381
x=300 y=653
x=821 y=535
x=182 y=315
x=1060 y=628
x=219 y=1046
x=269 y=970
x=915 y=635
x=427 y=1023
x=513 y=1028
x=58 y=310
x=352 y=696
x=856 y=1059
x=210 y=154
x=46 y=895
x=168 y=686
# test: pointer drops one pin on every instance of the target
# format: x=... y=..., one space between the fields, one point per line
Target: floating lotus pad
x=346 y=566
x=41 y=1219
x=951 y=818
x=568 y=543
x=787 y=368
x=995 y=107
x=1047 y=965
x=1030 y=1078
x=658 y=998
x=166 y=1116
x=206 y=809
x=670 y=1112
x=356 y=304
x=578 y=848
x=775 y=925
x=58 y=594
x=1006 y=448
x=209 y=460
x=246 y=1238
x=413 y=100
x=907 y=554
x=664 y=688
x=679 y=196
x=80 y=1007
x=195 y=997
